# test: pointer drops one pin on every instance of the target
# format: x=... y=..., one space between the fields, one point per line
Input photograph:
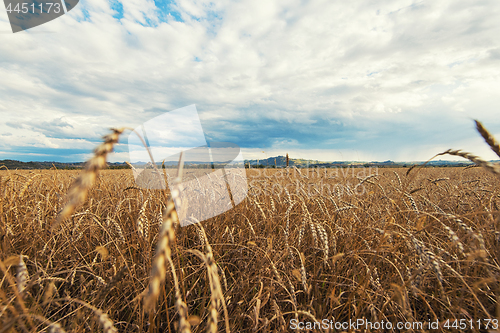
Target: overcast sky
x=344 y=80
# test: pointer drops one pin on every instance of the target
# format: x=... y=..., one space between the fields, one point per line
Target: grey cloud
x=14 y=125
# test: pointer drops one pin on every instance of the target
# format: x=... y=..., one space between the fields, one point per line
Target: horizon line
x=256 y=160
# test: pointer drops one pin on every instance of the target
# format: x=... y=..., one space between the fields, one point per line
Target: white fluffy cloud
x=375 y=77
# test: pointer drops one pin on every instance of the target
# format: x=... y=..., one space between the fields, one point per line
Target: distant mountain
x=278 y=161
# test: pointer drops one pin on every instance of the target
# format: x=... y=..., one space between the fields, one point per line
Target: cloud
x=384 y=78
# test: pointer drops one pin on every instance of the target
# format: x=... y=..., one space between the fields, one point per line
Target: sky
x=326 y=80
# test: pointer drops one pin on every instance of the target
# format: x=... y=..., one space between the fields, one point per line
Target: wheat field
x=305 y=245
x=415 y=247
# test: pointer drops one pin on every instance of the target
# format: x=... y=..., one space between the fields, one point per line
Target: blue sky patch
x=166 y=10
x=118 y=8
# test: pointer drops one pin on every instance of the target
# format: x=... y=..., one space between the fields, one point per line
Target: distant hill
x=277 y=161
x=280 y=161
x=13 y=165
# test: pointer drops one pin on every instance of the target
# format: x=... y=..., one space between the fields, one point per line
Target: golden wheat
x=395 y=246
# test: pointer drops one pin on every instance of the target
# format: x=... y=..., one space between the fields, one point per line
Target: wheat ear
x=158 y=272
x=490 y=139
x=216 y=297
x=78 y=191
x=164 y=254
x=487 y=165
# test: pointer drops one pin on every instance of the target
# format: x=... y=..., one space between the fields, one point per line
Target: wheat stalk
x=216 y=296
x=163 y=254
x=78 y=191
x=21 y=275
x=143 y=222
x=494 y=168
x=490 y=139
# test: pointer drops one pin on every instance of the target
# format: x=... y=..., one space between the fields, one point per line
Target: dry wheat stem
x=494 y=168
x=163 y=252
x=490 y=139
x=215 y=287
x=78 y=191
